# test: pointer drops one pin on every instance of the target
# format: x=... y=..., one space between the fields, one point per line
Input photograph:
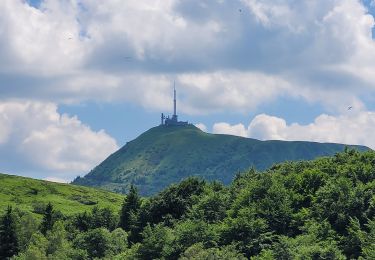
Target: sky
x=80 y=78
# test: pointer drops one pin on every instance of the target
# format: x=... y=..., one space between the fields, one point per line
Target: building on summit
x=173 y=121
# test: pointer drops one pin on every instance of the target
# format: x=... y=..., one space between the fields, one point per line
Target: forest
x=320 y=209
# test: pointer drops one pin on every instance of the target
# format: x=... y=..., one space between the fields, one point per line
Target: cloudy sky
x=80 y=78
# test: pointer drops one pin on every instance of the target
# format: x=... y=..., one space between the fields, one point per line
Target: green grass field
x=32 y=195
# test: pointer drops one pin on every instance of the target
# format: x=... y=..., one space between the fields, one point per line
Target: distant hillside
x=165 y=155
x=32 y=195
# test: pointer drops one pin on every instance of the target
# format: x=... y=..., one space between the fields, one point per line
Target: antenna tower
x=174 y=99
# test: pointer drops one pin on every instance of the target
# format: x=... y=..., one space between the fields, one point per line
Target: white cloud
x=54 y=179
x=42 y=42
x=222 y=60
x=356 y=128
x=198 y=93
x=4 y=128
x=42 y=140
x=266 y=127
x=271 y=14
x=202 y=127
x=147 y=29
x=222 y=90
x=225 y=128
x=75 y=51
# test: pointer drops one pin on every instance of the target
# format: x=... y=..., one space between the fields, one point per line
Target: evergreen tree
x=353 y=240
x=135 y=227
x=48 y=220
x=369 y=241
x=130 y=207
x=8 y=235
x=82 y=221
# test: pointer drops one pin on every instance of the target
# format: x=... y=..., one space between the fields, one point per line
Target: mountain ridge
x=167 y=154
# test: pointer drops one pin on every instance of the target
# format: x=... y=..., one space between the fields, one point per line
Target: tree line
x=321 y=209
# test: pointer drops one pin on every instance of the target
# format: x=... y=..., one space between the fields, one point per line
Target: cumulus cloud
x=40 y=41
x=225 y=128
x=222 y=60
x=202 y=127
x=212 y=92
x=266 y=127
x=348 y=129
x=73 y=51
x=42 y=140
x=355 y=127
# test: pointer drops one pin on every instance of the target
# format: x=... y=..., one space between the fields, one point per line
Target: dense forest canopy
x=321 y=209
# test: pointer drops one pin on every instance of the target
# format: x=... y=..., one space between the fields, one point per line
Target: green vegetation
x=34 y=195
x=8 y=235
x=321 y=209
x=165 y=155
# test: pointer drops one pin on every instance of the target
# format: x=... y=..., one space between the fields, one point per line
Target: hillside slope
x=165 y=155
x=32 y=195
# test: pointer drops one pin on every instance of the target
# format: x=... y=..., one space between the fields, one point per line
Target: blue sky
x=80 y=78
x=116 y=118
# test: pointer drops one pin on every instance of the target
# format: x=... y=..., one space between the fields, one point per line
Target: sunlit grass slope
x=32 y=195
x=165 y=155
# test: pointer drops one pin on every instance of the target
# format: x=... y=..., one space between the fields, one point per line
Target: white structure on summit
x=174 y=120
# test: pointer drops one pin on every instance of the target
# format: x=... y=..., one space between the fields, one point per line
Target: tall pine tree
x=8 y=235
x=47 y=222
x=130 y=207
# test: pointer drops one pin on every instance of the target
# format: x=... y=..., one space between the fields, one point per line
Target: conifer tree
x=8 y=235
x=47 y=222
x=82 y=221
x=130 y=207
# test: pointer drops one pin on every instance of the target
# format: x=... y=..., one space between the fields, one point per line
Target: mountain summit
x=167 y=154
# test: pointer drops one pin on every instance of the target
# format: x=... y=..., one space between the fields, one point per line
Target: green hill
x=319 y=209
x=167 y=154
x=32 y=195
